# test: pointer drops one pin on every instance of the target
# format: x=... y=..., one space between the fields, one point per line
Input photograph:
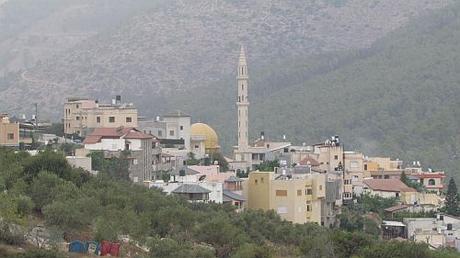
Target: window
x=286 y=150
x=160 y=133
x=299 y=192
x=171 y=133
x=196 y=146
x=255 y=181
x=129 y=119
x=98 y=119
x=77 y=117
x=308 y=208
x=308 y=191
x=365 y=166
x=111 y=119
x=78 y=106
x=181 y=127
x=431 y=182
x=320 y=187
x=336 y=157
x=127 y=146
x=11 y=136
x=261 y=179
x=135 y=162
x=281 y=193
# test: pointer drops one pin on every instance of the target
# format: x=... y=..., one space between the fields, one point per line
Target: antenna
x=36 y=115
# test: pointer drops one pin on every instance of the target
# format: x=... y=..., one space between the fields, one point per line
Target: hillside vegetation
x=75 y=205
x=399 y=98
x=147 y=49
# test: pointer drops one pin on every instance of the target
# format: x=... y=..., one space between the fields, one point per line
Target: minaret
x=242 y=102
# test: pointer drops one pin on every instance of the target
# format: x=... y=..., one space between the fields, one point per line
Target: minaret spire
x=243 y=102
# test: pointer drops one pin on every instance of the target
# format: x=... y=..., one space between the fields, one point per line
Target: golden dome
x=211 y=141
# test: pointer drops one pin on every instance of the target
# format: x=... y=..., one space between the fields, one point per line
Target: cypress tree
x=452 y=198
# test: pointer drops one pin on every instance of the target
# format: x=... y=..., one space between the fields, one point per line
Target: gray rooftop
x=233 y=195
x=233 y=179
x=190 y=188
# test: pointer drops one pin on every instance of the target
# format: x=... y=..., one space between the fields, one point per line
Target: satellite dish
x=202 y=178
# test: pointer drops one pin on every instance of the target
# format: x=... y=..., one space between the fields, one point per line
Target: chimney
x=262 y=135
x=118 y=99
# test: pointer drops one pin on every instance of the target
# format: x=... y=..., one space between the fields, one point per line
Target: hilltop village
x=321 y=182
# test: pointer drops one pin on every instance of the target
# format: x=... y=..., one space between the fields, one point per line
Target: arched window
x=431 y=182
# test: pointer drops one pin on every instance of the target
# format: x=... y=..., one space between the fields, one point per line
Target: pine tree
x=404 y=178
x=452 y=207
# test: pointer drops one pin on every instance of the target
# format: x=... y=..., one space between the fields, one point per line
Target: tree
x=191 y=159
x=223 y=164
x=418 y=186
x=268 y=165
x=452 y=199
x=47 y=161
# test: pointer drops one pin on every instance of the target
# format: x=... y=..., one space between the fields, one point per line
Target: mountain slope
x=177 y=45
x=398 y=98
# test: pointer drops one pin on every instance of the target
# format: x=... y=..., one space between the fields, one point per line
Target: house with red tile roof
x=386 y=188
x=113 y=141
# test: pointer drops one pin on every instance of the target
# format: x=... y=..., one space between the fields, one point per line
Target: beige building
x=296 y=199
x=81 y=116
x=383 y=168
x=353 y=174
x=330 y=155
x=9 y=132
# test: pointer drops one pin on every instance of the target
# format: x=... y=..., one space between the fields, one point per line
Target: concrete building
x=113 y=141
x=80 y=162
x=353 y=174
x=81 y=115
x=9 y=132
x=432 y=181
x=442 y=231
x=296 y=199
x=178 y=137
x=329 y=155
x=383 y=168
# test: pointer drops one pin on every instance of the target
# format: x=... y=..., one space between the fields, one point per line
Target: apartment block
x=82 y=116
x=296 y=199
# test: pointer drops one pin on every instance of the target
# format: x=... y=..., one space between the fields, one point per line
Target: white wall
x=114 y=145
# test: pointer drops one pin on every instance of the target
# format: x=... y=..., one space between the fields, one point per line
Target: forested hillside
x=399 y=98
x=146 y=50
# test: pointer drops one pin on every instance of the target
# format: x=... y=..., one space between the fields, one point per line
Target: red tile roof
x=388 y=185
x=309 y=161
x=115 y=133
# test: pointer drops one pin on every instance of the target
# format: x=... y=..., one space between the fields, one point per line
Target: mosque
x=179 y=137
x=203 y=140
